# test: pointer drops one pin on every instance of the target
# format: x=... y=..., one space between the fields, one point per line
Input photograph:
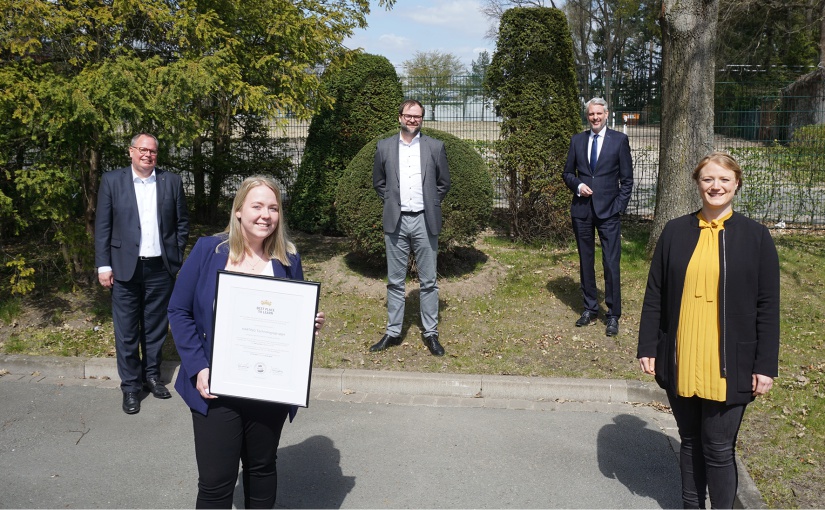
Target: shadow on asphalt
x=624 y=452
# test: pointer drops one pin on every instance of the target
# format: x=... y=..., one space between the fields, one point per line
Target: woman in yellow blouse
x=709 y=331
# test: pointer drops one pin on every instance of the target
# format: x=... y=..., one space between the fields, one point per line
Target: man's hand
x=585 y=191
x=106 y=279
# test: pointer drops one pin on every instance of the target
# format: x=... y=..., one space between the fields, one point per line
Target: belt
x=411 y=213
x=150 y=259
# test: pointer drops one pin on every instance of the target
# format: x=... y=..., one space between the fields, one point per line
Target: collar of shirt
x=416 y=139
x=136 y=178
x=600 y=133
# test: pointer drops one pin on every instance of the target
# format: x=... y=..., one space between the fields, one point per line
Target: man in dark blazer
x=411 y=176
x=141 y=229
x=599 y=171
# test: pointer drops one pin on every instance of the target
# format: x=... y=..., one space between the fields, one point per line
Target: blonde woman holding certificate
x=230 y=430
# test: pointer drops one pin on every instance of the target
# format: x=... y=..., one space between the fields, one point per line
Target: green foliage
x=767 y=171
x=21 y=281
x=367 y=93
x=465 y=211
x=478 y=74
x=775 y=36
x=808 y=146
x=760 y=183
x=78 y=78
x=532 y=81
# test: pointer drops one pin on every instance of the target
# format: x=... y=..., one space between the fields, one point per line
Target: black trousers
x=238 y=430
x=708 y=431
x=139 y=316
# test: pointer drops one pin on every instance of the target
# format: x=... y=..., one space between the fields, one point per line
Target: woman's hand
x=648 y=365
x=761 y=384
x=320 y=319
x=202 y=384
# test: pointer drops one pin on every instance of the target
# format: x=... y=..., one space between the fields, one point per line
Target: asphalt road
x=70 y=446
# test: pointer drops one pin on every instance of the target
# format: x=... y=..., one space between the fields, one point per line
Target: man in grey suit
x=599 y=172
x=411 y=176
x=141 y=229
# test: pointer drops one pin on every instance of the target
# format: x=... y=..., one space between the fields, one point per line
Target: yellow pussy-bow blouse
x=697 y=340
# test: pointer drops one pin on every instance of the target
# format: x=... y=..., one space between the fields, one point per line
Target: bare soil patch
x=336 y=273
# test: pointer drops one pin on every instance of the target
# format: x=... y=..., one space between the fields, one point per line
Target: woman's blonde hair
x=277 y=245
x=722 y=159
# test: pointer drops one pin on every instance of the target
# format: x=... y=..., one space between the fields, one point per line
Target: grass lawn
x=510 y=309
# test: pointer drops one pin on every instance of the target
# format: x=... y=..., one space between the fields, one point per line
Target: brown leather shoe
x=386 y=341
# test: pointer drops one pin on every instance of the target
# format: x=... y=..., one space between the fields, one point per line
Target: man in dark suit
x=411 y=176
x=599 y=171
x=141 y=229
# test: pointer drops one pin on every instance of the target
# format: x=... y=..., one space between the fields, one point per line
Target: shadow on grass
x=455 y=263
x=319 y=248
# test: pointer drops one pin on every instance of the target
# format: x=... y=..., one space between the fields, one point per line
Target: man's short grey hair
x=597 y=100
x=143 y=133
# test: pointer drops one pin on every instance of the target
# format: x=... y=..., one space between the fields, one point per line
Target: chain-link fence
x=777 y=137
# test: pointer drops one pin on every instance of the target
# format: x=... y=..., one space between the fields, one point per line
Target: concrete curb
x=486 y=386
x=409 y=383
x=382 y=382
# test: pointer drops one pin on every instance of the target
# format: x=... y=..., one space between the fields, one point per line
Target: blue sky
x=450 y=26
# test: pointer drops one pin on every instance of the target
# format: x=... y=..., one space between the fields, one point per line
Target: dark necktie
x=594 y=153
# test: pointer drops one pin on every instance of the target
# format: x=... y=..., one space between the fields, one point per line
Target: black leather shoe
x=131 y=402
x=612 y=326
x=157 y=388
x=432 y=344
x=587 y=318
x=386 y=341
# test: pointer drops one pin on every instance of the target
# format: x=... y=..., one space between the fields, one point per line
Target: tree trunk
x=89 y=185
x=688 y=35
x=199 y=178
x=220 y=159
x=822 y=34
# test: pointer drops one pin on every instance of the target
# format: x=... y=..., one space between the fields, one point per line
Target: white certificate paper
x=264 y=338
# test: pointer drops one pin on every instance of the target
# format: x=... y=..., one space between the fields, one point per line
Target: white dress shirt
x=146 y=191
x=409 y=177
x=147 y=202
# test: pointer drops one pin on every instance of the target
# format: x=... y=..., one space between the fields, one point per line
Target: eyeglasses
x=144 y=151
x=412 y=117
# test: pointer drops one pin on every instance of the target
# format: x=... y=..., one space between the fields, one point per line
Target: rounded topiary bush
x=367 y=94
x=465 y=211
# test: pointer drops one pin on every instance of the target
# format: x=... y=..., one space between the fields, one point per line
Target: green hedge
x=367 y=94
x=466 y=209
x=532 y=81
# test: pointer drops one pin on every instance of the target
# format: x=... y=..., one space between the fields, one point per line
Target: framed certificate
x=264 y=338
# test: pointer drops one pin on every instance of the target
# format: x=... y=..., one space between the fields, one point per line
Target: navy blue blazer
x=191 y=310
x=612 y=180
x=117 y=222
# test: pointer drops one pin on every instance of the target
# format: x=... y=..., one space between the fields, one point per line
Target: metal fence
x=782 y=156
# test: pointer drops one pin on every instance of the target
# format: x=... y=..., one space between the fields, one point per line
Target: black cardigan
x=748 y=302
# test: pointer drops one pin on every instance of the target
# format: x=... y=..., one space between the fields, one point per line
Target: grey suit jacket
x=612 y=180
x=117 y=223
x=435 y=181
